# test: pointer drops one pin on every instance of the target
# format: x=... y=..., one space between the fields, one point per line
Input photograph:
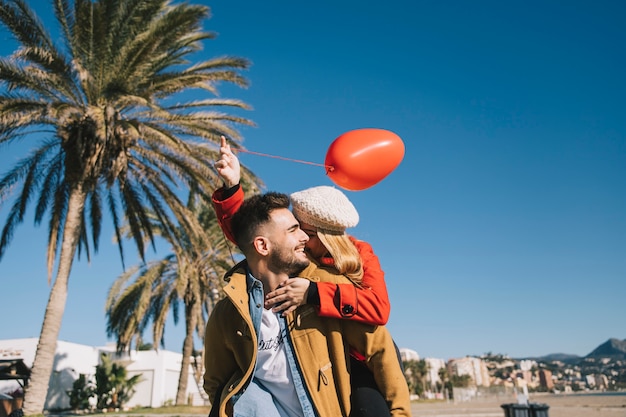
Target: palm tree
x=191 y=276
x=415 y=372
x=445 y=382
x=113 y=389
x=110 y=131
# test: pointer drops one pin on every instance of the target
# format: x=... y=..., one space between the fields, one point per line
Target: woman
x=324 y=214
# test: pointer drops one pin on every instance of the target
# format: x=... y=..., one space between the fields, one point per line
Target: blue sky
x=503 y=229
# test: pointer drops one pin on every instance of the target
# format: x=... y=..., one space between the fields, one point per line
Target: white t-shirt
x=272 y=368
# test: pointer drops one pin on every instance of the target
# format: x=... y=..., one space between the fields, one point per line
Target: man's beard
x=285 y=261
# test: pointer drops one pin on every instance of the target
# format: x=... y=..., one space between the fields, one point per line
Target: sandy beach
x=563 y=405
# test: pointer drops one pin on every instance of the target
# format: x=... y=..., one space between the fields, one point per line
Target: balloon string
x=328 y=167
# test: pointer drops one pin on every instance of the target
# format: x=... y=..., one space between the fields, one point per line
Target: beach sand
x=562 y=405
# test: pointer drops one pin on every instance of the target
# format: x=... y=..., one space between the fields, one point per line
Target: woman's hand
x=228 y=165
x=290 y=294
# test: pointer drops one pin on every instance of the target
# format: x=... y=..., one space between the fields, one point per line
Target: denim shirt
x=256 y=300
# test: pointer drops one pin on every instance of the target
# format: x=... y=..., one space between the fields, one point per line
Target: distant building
x=432 y=377
x=474 y=367
x=527 y=364
x=602 y=381
x=525 y=375
x=160 y=371
x=545 y=379
x=409 y=355
x=529 y=379
x=598 y=381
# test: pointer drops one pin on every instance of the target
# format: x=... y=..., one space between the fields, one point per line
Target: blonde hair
x=346 y=256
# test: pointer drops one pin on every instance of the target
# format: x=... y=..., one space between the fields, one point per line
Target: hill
x=554 y=357
x=612 y=348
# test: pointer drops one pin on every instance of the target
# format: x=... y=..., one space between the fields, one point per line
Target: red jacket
x=369 y=304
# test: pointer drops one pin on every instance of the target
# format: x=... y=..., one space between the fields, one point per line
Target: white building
x=434 y=365
x=409 y=355
x=160 y=372
x=527 y=364
x=474 y=367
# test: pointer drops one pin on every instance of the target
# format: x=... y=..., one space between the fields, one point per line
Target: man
x=258 y=363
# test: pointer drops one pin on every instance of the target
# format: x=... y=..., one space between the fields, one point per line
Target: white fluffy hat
x=324 y=207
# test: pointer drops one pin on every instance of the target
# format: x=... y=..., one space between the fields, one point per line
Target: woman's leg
x=366 y=399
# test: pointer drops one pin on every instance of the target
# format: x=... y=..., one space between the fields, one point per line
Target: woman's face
x=314 y=246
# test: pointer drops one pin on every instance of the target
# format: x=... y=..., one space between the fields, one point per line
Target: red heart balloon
x=360 y=158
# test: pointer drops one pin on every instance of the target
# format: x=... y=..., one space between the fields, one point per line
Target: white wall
x=160 y=371
x=71 y=359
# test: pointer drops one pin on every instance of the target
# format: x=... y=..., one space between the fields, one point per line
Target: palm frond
x=55 y=225
x=28 y=172
x=95 y=216
x=211 y=102
x=24 y=24
x=37 y=44
x=83 y=240
x=136 y=216
x=48 y=187
x=126 y=309
x=115 y=217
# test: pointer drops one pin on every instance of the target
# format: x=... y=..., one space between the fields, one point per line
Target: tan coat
x=320 y=344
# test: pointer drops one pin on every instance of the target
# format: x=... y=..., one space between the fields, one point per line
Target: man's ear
x=261 y=245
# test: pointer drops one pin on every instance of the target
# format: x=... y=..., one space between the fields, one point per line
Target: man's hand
x=288 y=296
x=228 y=165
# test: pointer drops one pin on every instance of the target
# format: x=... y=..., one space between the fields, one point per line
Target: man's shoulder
x=239 y=269
x=321 y=273
x=223 y=306
x=235 y=287
x=225 y=309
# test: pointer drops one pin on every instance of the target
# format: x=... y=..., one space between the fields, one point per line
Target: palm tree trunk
x=190 y=325
x=36 y=391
